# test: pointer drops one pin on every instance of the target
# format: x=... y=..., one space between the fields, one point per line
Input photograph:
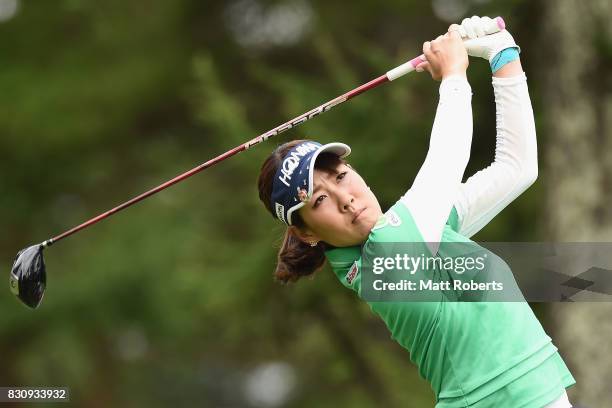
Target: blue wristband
x=503 y=57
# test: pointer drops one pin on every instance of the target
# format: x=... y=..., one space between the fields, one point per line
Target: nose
x=343 y=197
x=346 y=202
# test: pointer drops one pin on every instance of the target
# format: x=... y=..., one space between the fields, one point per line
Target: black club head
x=28 y=276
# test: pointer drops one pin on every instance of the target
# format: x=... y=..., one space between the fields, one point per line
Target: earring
x=313 y=243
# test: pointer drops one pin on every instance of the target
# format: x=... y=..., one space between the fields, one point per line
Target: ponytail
x=297 y=259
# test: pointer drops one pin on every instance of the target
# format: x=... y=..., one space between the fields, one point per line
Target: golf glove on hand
x=485 y=46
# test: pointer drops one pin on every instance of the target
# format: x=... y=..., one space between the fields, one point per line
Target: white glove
x=482 y=45
x=475 y=27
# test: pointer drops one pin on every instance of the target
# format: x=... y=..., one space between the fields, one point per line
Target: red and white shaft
x=496 y=25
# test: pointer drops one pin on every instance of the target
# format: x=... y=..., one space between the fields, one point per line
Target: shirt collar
x=343 y=257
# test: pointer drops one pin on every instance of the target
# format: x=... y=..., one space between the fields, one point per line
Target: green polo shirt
x=470 y=352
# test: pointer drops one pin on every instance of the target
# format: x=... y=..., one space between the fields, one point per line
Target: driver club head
x=28 y=276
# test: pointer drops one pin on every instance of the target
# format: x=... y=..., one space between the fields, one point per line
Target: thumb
x=423 y=66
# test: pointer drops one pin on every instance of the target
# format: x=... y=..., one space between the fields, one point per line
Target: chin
x=370 y=223
x=366 y=231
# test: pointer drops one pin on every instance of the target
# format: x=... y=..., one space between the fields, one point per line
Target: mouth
x=357 y=214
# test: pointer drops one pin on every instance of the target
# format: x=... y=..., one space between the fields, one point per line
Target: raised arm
x=515 y=166
x=437 y=183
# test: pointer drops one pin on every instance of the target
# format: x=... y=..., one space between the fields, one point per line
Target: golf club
x=28 y=275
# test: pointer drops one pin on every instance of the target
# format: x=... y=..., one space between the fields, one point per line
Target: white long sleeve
x=515 y=167
x=436 y=186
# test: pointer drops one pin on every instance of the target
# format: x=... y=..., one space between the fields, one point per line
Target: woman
x=474 y=354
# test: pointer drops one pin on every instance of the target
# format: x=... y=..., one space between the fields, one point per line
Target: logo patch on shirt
x=394 y=219
x=352 y=273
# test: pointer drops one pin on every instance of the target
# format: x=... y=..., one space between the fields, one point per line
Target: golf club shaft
x=264 y=136
x=497 y=25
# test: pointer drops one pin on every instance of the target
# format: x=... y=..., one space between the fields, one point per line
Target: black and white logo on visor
x=280 y=212
x=292 y=161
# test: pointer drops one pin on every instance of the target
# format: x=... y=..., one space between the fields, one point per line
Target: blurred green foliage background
x=172 y=302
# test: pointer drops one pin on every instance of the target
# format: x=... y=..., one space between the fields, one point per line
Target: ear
x=306 y=236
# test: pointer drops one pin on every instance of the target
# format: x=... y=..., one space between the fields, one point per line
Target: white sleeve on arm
x=435 y=188
x=515 y=166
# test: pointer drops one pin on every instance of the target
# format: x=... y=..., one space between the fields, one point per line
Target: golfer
x=474 y=354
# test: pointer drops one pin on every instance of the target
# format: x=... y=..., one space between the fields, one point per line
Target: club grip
x=497 y=24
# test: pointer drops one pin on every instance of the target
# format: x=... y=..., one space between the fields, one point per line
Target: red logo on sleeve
x=353 y=271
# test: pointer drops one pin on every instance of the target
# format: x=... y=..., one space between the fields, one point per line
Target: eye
x=319 y=200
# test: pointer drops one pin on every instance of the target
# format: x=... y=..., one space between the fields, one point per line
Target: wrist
x=511 y=69
x=460 y=74
x=454 y=81
x=504 y=57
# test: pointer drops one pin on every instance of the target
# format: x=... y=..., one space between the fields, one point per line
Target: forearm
x=515 y=166
x=436 y=185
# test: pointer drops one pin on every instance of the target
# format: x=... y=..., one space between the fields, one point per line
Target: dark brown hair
x=295 y=258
